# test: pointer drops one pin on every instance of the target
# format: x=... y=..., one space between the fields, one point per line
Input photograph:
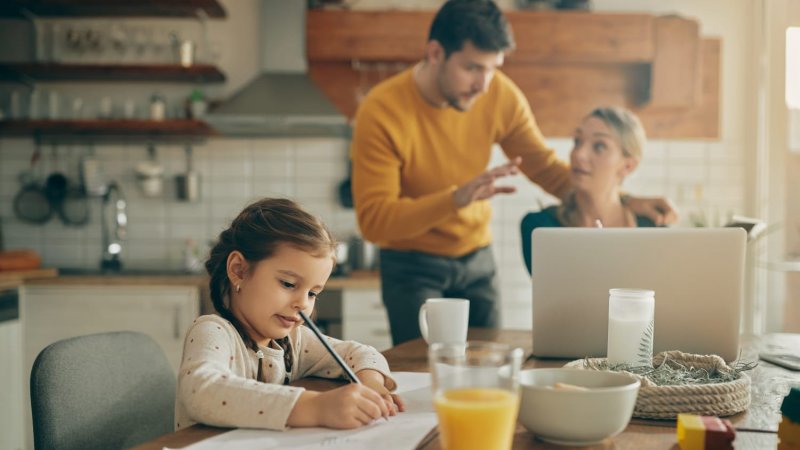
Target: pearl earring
x=238 y=288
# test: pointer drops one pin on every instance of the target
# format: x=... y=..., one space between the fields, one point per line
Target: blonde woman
x=607 y=148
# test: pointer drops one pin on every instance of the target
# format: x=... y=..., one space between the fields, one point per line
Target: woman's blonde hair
x=626 y=127
x=629 y=133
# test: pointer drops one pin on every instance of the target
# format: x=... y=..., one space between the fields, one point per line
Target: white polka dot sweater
x=217 y=379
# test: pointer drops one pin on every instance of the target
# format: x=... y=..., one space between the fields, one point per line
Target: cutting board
x=13 y=278
x=19 y=260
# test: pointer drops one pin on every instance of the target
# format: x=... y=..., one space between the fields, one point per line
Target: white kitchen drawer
x=51 y=313
x=369 y=332
x=362 y=303
x=12 y=382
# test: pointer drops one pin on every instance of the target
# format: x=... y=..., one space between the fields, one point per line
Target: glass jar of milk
x=630 y=327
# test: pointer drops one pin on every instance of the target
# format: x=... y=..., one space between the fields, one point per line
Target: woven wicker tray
x=666 y=402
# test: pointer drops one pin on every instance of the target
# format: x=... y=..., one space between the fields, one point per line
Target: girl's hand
x=376 y=381
x=349 y=406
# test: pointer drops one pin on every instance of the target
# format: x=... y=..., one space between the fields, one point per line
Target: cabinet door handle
x=177 y=322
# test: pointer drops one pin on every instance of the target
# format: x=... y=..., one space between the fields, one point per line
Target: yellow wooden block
x=782 y=446
x=691 y=432
x=789 y=432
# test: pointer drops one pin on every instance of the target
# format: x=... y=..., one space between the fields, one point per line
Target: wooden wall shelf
x=111 y=8
x=566 y=63
x=199 y=73
x=73 y=128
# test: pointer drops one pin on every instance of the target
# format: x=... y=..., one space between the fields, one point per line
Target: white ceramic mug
x=444 y=320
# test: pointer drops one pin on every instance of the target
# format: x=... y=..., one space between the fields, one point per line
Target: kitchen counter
x=13 y=279
x=354 y=280
x=360 y=279
x=123 y=279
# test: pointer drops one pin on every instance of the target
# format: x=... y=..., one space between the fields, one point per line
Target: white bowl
x=576 y=417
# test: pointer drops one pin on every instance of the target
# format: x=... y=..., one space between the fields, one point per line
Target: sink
x=76 y=272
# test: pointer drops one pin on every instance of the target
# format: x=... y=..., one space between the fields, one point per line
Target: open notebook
x=404 y=430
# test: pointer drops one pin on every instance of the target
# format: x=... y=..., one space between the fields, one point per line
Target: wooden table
x=756 y=427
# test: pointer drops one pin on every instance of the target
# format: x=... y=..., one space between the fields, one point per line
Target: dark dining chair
x=101 y=391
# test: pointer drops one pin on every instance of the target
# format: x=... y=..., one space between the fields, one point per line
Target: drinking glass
x=630 y=327
x=475 y=394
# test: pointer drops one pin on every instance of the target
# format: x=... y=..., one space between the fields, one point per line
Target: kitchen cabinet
x=49 y=313
x=11 y=386
x=364 y=318
x=566 y=63
x=354 y=311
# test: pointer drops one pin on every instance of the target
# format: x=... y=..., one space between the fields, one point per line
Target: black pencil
x=330 y=349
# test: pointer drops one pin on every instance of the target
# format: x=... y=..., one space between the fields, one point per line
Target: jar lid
x=628 y=292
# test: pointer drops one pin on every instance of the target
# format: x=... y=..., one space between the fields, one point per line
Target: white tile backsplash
x=309 y=170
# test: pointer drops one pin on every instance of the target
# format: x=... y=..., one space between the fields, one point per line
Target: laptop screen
x=697 y=275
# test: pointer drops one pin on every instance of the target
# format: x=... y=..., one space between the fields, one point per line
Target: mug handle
x=423 y=321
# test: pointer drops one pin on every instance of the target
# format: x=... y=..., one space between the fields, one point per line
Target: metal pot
x=363 y=255
x=342 y=259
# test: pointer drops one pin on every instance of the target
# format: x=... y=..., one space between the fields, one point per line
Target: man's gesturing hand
x=482 y=187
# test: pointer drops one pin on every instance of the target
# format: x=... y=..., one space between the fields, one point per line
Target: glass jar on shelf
x=158 y=107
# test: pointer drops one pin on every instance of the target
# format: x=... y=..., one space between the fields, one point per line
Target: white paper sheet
x=403 y=431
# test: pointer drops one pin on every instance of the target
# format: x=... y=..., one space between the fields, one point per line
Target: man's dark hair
x=478 y=21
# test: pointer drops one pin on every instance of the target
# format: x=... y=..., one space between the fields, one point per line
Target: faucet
x=112 y=244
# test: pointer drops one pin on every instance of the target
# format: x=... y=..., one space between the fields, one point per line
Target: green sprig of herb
x=675 y=373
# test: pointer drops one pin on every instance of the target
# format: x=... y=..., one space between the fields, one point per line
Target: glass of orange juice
x=476 y=394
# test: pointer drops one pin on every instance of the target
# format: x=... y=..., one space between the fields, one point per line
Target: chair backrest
x=102 y=391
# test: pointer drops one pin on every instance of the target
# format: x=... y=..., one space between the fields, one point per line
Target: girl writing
x=271 y=263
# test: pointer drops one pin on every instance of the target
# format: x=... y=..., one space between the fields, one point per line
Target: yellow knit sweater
x=408 y=158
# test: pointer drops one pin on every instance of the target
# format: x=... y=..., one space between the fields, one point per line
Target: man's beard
x=453 y=100
x=457 y=103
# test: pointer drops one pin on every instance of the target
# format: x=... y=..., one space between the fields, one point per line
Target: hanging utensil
x=31 y=203
x=150 y=174
x=188 y=184
x=74 y=208
x=112 y=241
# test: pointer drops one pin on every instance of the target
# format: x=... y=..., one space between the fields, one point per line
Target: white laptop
x=697 y=275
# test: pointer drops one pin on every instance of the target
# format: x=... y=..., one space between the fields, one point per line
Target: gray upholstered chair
x=102 y=391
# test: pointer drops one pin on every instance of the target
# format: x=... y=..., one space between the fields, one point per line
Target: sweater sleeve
x=314 y=359
x=382 y=213
x=213 y=394
x=523 y=138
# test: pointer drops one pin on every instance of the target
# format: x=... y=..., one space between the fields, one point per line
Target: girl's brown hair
x=256 y=233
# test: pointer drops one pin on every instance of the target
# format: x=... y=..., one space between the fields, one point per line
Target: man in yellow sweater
x=421 y=145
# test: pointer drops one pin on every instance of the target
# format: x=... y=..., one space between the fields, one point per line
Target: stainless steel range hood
x=282 y=100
